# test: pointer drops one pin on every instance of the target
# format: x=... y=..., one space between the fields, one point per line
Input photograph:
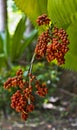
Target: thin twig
x=31 y=64
x=30 y=71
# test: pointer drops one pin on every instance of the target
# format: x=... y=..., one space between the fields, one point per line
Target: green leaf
x=4 y=49
x=62 y=12
x=2 y=55
x=71 y=57
x=7 y=43
x=32 y=8
x=17 y=37
x=2 y=61
x=1 y=43
x=27 y=41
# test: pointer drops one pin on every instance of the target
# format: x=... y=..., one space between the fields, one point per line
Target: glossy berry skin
x=18 y=102
x=43 y=20
x=52 y=43
x=23 y=99
x=58 y=47
x=41 y=46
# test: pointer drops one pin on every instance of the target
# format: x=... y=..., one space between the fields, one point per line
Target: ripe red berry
x=43 y=19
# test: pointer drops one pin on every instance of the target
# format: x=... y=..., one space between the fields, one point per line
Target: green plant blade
x=17 y=37
x=4 y=48
x=7 y=43
x=2 y=55
x=71 y=57
x=2 y=62
x=32 y=8
x=62 y=12
x=1 y=43
x=27 y=41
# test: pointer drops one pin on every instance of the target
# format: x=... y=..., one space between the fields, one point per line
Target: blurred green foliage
x=13 y=46
x=48 y=74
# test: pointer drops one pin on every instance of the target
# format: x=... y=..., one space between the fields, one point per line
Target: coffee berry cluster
x=24 y=97
x=52 y=43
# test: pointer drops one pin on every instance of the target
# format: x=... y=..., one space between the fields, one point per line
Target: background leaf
x=62 y=12
x=32 y=8
x=7 y=42
x=1 y=43
x=17 y=37
x=71 y=57
x=27 y=41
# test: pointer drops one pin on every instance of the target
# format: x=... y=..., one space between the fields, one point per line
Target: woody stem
x=31 y=66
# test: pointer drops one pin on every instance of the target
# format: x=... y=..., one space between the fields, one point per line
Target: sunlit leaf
x=71 y=57
x=7 y=42
x=32 y=8
x=62 y=12
x=28 y=40
x=1 y=43
x=17 y=37
x=2 y=55
x=2 y=61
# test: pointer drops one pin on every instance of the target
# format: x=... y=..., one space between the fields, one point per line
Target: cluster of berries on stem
x=43 y=19
x=24 y=97
x=53 y=45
